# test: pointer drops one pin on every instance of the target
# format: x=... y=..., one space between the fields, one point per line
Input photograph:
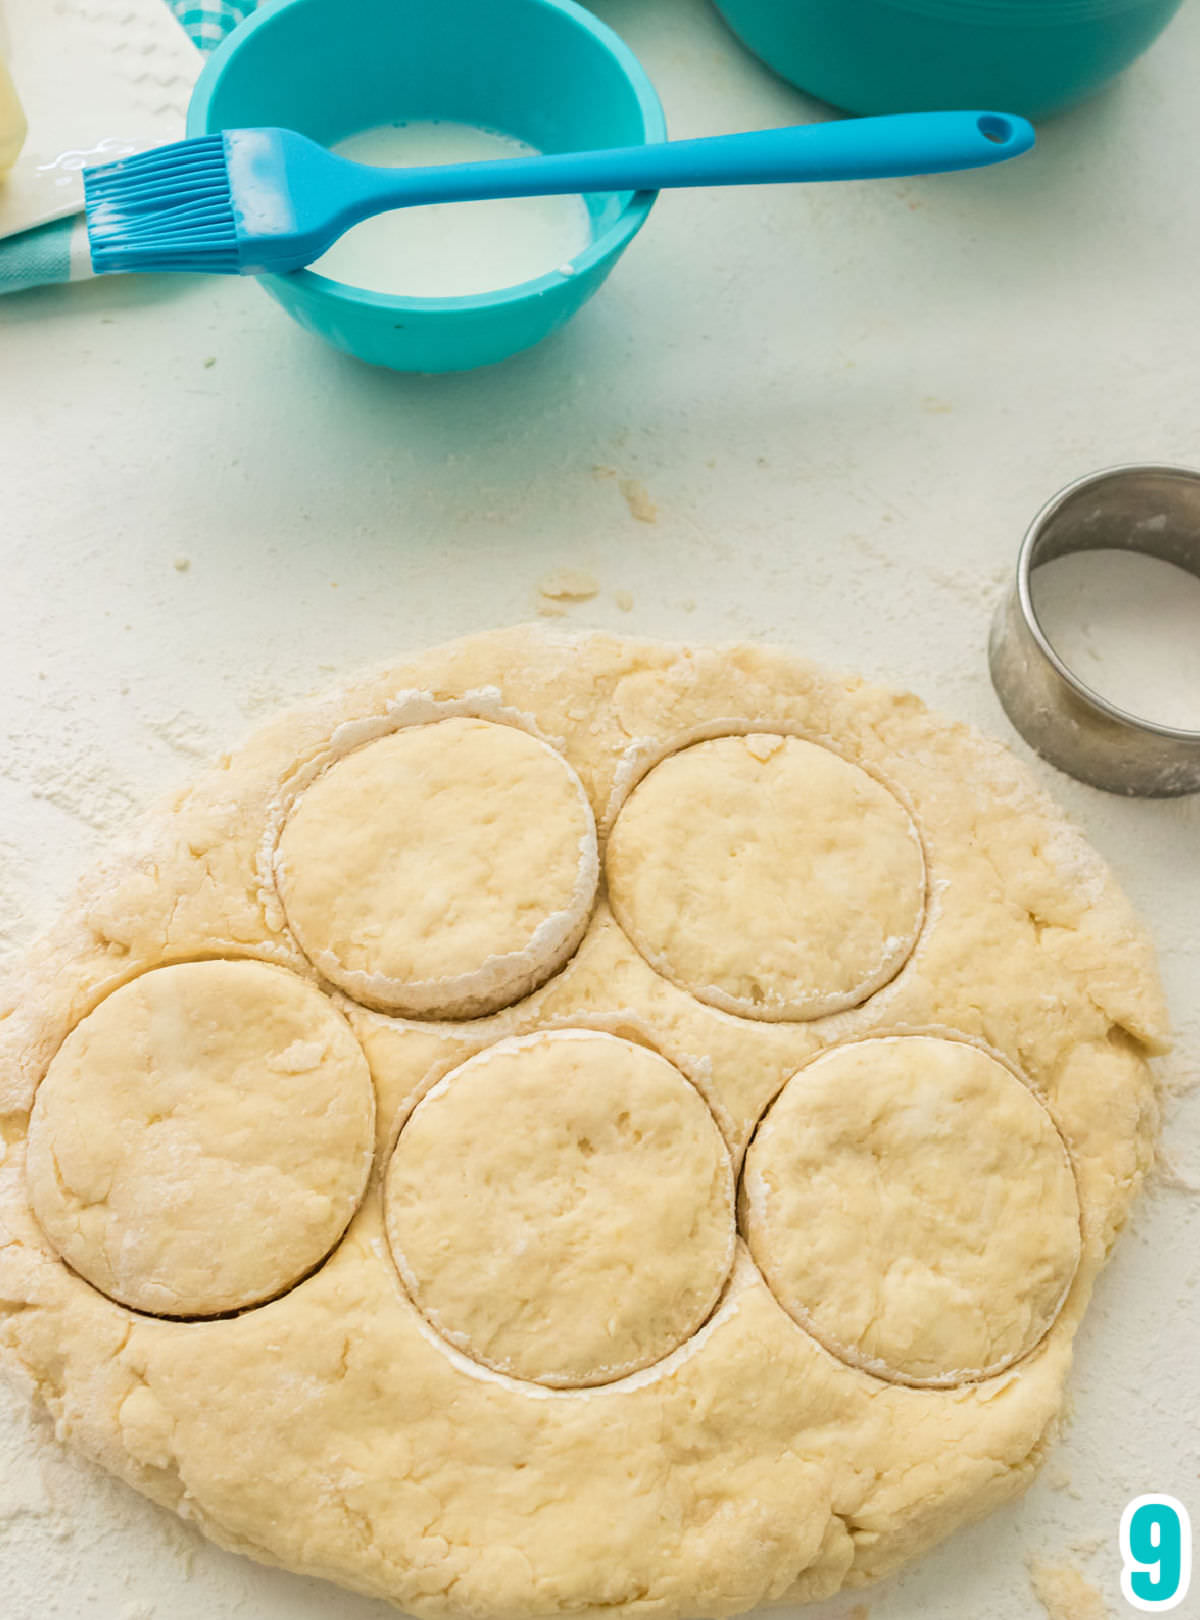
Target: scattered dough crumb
x=1089 y=1546
x=182 y=564
x=550 y=609
x=688 y=604
x=763 y=744
x=638 y=501
x=624 y=600
x=1057 y=1478
x=1065 y=1595
x=210 y=362
x=601 y=471
x=569 y=584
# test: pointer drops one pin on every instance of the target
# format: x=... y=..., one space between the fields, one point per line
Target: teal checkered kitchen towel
x=59 y=251
x=208 y=24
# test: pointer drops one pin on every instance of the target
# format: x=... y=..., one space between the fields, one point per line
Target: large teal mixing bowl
x=879 y=56
x=546 y=71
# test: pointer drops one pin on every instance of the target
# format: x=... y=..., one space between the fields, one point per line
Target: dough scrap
x=767 y=876
x=201 y=1140
x=442 y=871
x=520 y=1196
x=333 y=1430
x=1065 y=1595
x=911 y=1203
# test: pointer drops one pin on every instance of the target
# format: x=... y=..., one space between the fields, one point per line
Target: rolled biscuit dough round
x=911 y=1203
x=442 y=871
x=201 y=1140
x=767 y=876
x=333 y=1429
x=521 y=1193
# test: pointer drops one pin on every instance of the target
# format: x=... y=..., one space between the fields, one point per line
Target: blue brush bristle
x=168 y=209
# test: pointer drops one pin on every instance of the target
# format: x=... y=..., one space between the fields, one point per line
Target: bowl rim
x=1002 y=15
x=607 y=245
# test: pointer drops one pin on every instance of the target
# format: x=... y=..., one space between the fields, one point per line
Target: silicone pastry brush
x=251 y=201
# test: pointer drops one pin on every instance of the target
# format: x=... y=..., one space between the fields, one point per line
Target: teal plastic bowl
x=545 y=71
x=879 y=56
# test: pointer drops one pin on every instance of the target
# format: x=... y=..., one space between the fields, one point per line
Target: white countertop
x=845 y=404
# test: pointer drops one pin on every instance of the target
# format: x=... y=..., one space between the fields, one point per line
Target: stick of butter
x=12 y=121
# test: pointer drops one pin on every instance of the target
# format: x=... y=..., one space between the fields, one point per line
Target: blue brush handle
x=846 y=149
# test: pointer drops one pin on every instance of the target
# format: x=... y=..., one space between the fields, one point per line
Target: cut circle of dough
x=911 y=1203
x=520 y=1199
x=767 y=876
x=442 y=871
x=202 y=1139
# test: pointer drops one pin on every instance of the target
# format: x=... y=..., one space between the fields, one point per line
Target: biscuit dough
x=202 y=1139
x=856 y=1208
x=441 y=871
x=767 y=876
x=520 y=1196
x=899 y=868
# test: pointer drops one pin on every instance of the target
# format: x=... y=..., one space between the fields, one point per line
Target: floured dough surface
x=442 y=870
x=521 y=1193
x=201 y=1140
x=567 y=938
x=768 y=876
x=910 y=1201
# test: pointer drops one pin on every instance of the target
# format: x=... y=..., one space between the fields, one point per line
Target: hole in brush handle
x=995 y=129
